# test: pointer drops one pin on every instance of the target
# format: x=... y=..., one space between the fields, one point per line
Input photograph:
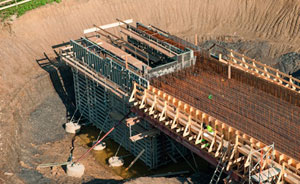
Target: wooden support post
x=200 y=135
x=278 y=77
x=229 y=70
x=151 y=111
x=220 y=57
x=220 y=147
x=187 y=128
x=142 y=105
x=136 y=158
x=213 y=142
x=245 y=63
x=233 y=153
x=248 y=160
x=267 y=73
x=162 y=116
x=196 y=39
x=281 y=175
x=132 y=96
x=255 y=68
x=292 y=83
x=174 y=123
x=234 y=60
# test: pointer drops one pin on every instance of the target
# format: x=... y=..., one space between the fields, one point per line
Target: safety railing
x=259 y=69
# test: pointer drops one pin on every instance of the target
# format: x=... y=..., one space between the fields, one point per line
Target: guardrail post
x=229 y=70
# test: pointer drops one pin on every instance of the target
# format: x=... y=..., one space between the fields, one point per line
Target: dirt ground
x=29 y=36
x=35 y=97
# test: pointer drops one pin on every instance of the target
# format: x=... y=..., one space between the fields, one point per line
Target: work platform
x=120 y=53
x=247 y=105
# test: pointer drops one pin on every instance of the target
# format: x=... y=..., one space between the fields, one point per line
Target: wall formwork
x=104 y=109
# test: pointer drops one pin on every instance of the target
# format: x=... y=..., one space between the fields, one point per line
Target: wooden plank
x=141 y=39
x=120 y=53
x=5 y=2
x=143 y=135
x=125 y=45
x=265 y=175
x=132 y=121
x=94 y=29
x=53 y=164
x=15 y=4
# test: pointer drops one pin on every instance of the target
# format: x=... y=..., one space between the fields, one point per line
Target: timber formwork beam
x=185 y=124
x=258 y=69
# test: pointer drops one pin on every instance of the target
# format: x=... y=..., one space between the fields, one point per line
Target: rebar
x=256 y=107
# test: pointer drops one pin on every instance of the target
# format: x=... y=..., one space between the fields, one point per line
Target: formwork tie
x=117 y=124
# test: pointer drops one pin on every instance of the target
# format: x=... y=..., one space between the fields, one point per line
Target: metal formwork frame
x=96 y=102
x=107 y=67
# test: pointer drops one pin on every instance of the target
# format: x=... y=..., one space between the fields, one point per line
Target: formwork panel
x=95 y=103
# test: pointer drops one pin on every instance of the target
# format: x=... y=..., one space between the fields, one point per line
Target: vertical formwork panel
x=97 y=104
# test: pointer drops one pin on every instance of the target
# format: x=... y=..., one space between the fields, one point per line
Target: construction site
x=148 y=102
x=225 y=107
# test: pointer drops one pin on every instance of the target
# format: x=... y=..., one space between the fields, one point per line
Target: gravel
x=289 y=63
x=46 y=122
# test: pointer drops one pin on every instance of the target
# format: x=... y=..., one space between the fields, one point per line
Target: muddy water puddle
x=90 y=134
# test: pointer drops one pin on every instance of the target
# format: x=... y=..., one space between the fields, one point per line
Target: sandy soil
x=93 y=170
x=24 y=85
x=34 y=33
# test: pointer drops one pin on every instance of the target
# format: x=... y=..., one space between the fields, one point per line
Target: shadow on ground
x=62 y=80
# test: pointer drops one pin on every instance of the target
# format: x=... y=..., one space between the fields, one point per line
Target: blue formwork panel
x=107 y=67
x=96 y=103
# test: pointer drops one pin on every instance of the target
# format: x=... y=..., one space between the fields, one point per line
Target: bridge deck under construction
x=243 y=106
x=253 y=110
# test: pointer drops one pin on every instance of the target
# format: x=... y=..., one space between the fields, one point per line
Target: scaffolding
x=259 y=169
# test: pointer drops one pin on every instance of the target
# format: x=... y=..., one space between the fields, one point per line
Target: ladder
x=220 y=167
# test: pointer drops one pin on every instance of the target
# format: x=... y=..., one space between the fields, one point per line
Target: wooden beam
x=5 y=2
x=143 y=135
x=15 y=4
